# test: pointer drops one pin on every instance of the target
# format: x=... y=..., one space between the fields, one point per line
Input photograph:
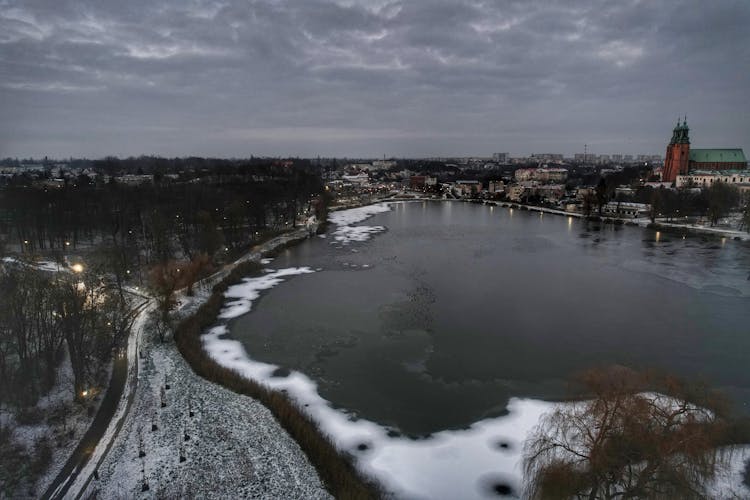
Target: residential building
x=550 y=175
x=626 y=210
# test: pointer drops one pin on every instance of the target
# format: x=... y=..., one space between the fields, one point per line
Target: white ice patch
x=266 y=261
x=450 y=464
x=346 y=233
x=249 y=290
x=354 y=215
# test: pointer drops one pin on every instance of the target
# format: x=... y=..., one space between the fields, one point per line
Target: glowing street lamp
x=77 y=268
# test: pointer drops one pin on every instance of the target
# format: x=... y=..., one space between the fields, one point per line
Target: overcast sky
x=369 y=78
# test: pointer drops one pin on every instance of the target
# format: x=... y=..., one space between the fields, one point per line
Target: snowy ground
x=728 y=231
x=467 y=463
x=62 y=425
x=63 y=422
x=235 y=447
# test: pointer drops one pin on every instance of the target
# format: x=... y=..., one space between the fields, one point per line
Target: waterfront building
x=681 y=159
x=626 y=210
x=422 y=182
x=704 y=178
x=468 y=187
x=550 y=174
x=496 y=187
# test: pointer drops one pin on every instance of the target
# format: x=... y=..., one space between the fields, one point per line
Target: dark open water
x=461 y=307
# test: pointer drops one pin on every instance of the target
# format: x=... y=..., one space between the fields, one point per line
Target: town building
x=681 y=159
x=524 y=174
x=547 y=156
x=468 y=187
x=496 y=187
x=550 y=192
x=358 y=179
x=422 y=182
x=704 y=178
x=550 y=175
x=625 y=210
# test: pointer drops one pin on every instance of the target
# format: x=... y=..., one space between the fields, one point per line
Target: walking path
x=124 y=373
x=106 y=460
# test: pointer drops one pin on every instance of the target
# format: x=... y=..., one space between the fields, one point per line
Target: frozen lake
x=436 y=319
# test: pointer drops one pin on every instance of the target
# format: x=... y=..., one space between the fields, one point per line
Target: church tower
x=678 y=153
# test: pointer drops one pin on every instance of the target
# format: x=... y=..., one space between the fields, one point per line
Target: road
x=78 y=461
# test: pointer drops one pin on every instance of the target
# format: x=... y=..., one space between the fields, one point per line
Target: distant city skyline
x=364 y=79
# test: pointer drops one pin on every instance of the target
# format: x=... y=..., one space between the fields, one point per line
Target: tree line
x=42 y=313
x=164 y=217
x=176 y=228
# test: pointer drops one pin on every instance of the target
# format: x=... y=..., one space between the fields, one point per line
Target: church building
x=681 y=159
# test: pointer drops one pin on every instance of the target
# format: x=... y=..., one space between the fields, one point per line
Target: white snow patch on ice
x=346 y=232
x=354 y=215
x=450 y=464
x=266 y=261
x=249 y=290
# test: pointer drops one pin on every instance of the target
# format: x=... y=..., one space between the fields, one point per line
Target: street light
x=77 y=268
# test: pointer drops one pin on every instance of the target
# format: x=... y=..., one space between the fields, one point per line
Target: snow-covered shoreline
x=235 y=446
x=464 y=463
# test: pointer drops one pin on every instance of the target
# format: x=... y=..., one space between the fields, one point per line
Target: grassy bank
x=336 y=470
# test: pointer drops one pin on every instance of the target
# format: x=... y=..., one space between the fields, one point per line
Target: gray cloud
x=405 y=78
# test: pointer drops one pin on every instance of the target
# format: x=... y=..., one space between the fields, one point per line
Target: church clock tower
x=678 y=153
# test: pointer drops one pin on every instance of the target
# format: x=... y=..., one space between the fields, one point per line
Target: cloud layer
x=368 y=78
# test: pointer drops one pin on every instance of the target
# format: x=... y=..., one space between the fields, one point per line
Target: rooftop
x=741 y=173
x=717 y=155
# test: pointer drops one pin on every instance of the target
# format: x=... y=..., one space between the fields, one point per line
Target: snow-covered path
x=235 y=447
x=80 y=466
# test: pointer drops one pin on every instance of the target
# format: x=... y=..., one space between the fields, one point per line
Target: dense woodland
x=183 y=221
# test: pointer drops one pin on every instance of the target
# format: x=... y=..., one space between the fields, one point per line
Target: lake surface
x=436 y=322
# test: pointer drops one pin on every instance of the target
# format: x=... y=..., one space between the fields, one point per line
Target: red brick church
x=680 y=159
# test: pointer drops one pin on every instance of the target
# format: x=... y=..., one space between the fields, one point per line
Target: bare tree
x=721 y=198
x=627 y=443
x=195 y=269
x=165 y=280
